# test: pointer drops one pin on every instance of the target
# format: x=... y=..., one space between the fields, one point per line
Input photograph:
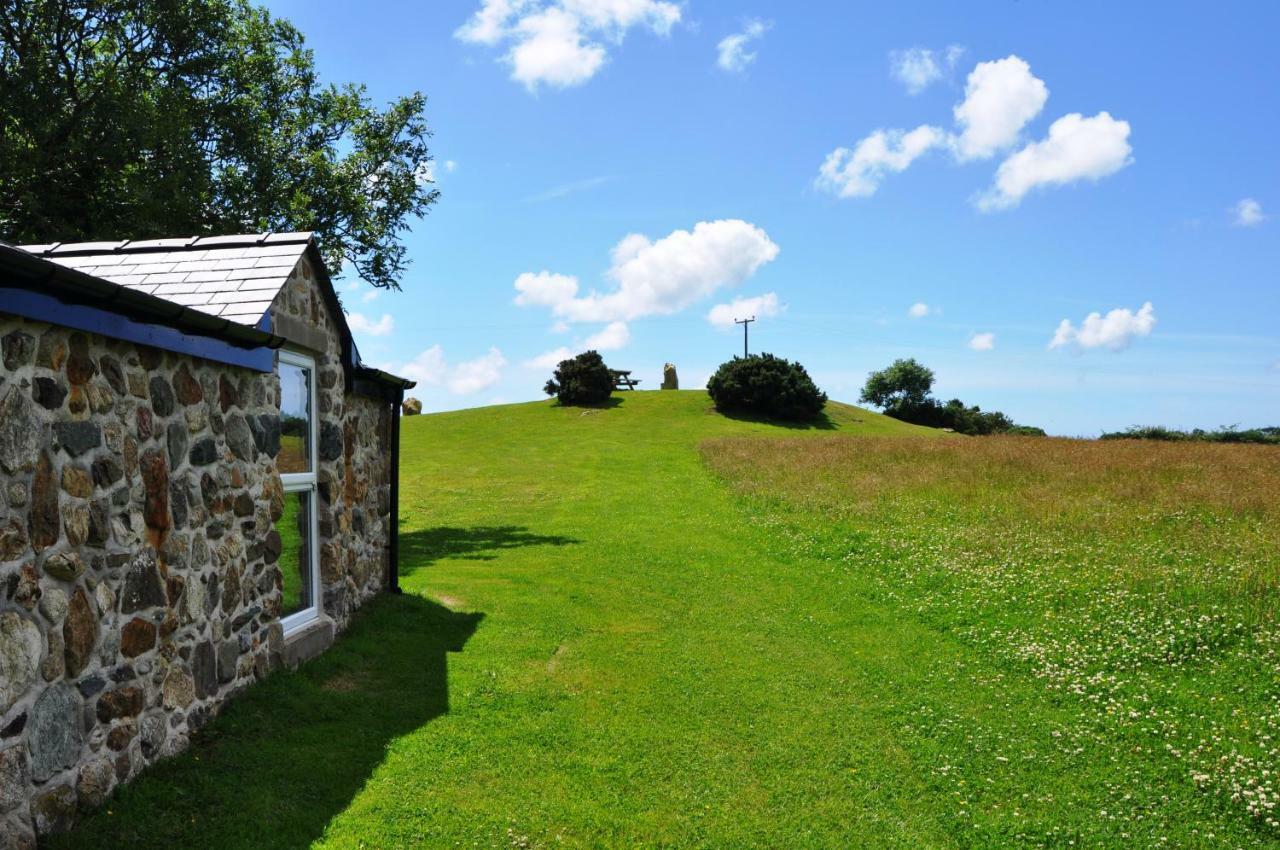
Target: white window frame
x=305 y=482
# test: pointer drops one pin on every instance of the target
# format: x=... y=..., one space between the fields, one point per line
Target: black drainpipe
x=394 y=577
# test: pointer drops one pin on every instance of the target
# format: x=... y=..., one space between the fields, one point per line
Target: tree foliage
x=903 y=391
x=145 y=118
x=584 y=379
x=764 y=385
x=904 y=383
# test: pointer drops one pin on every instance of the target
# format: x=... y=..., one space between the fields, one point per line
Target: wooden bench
x=622 y=379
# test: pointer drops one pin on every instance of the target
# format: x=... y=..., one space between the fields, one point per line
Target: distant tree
x=764 y=385
x=905 y=383
x=903 y=392
x=144 y=118
x=584 y=379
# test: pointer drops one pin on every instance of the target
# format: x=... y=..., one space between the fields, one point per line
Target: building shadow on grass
x=291 y=753
x=422 y=547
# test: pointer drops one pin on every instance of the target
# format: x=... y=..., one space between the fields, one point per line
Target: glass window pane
x=295 y=553
x=295 y=419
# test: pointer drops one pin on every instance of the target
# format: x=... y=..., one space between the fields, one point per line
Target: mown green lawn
x=615 y=635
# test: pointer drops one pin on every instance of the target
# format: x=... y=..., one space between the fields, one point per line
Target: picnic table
x=622 y=379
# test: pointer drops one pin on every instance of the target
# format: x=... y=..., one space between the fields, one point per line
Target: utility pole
x=744 y=323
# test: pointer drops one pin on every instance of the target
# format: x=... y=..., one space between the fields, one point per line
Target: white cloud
x=545 y=288
x=918 y=67
x=431 y=369
x=1077 y=148
x=472 y=376
x=1000 y=97
x=657 y=278
x=362 y=324
x=549 y=360
x=732 y=52
x=857 y=173
x=562 y=43
x=982 y=341
x=760 y=306
x=919 y=310
x=450 y=165
x=1114 y=331
x=613 y=336
x=1248 y=213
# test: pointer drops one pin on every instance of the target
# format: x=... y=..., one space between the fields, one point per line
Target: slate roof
x=231 y=277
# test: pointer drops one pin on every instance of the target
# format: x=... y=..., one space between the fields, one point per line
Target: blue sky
x=1007 y=165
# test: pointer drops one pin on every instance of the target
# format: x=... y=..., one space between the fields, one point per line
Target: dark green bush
x=1229 y=434
x=764 y=385
x=584 y=379
x=903 y=391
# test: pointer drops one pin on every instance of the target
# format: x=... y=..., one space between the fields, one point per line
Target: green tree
x=584 y=379
x=764 y=385
x=144 y=118
x=906 y=383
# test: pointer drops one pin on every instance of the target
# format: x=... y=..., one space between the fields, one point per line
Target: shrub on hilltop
x=581 y=380
x=764 y=385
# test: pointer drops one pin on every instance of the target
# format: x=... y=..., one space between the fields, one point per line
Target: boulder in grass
x=669 y=379
x=412 y=407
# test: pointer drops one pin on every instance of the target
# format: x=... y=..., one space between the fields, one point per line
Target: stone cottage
x=198 y=482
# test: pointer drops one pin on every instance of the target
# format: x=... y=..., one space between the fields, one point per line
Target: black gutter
x=48 y=277
x=393 y=579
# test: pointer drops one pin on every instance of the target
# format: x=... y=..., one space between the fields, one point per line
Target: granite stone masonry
x=140 y=579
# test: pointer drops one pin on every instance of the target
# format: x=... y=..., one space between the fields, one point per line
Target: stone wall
x=139 y=587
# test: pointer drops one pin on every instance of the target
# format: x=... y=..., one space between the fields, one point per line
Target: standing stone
x=412 y=407
x=54 y=735
x=20 y=650
x=155 y=477
x=670 y=381
x=44 y=519
x=79 y=633
x=162 y=399
x=142 y=585
x=19 y=432
x=18 y=348
x=80 y=366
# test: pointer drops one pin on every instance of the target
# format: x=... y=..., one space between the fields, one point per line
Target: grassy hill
x=651 y=625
